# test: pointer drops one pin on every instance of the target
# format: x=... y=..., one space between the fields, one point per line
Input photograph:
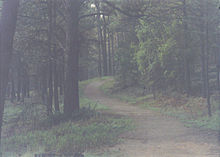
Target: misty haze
x=109 y=78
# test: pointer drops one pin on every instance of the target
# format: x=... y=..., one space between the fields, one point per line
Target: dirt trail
x=156 y=135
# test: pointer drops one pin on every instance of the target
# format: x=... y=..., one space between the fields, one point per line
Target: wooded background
x=160 y=45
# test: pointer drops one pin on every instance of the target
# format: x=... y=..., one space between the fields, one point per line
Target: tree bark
x=186 y=60
x=109 y=54
x=113 y=54
x=50 y=67
x=12 y=88
x=100 y=51
x=71 y=95
x=56 y=96
x=104 y=50
x=207 y=63
x=7 y=30
x=55 y=76
x=100 y=38
x=203 y=67
x=19 y=80
x=62 y=75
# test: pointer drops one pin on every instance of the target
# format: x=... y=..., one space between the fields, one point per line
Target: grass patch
x=88 y=103
x=70 y=137
x=85 y=131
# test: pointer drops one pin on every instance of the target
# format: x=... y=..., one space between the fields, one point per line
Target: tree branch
x=93 y=14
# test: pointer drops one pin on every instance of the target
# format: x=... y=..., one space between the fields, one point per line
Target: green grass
x=197 y=117
x=91 y=130
x=94 y=154
x=87 y=103
x=11 y=111
x=70 y=137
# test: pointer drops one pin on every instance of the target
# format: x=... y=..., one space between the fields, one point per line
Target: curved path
x=156 y=135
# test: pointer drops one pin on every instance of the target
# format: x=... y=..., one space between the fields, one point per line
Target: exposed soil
x=156 y=135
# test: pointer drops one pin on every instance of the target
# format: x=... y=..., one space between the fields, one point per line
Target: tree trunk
x=19 y=86
x=207 y=64
x=102 y=40
x=12 y=88
x=186 y=60
x=109 y=54
x=203 y=67
x=55 y=76
x=28 y=86
x=44 y=84
x=56 y=96
x=7 y=30
x=50 y=87
x=50 y=67
x=104 y=50
x=113 y=54
x=218 y=69
x=100 y=50
x=71 y=95
x=202 y=44
x=62 y=75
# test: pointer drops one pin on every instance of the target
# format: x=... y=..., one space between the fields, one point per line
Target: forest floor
x=155 y=134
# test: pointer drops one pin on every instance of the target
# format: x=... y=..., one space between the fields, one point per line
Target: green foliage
x=165 y=50
x=128 y=71
x=157 y=56
x=130 y=94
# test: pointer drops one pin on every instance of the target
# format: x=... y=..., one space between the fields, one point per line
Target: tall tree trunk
x=44 y=84
x=102 y=36
x=56 y=96
x=62 y=75
x=7 y=30
x=50 y=67
x=12 y=88
x=50 y=89
x=71 y=95
x=186 y=58
x=55 y=76
x=218 y=79
x=109 y=54
x=207 y=63
x=113 y=54
x=24 y=82
x=19 y=86
x=28 y=86
x=104 y=50
x=203 y=67
x=100 y=50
